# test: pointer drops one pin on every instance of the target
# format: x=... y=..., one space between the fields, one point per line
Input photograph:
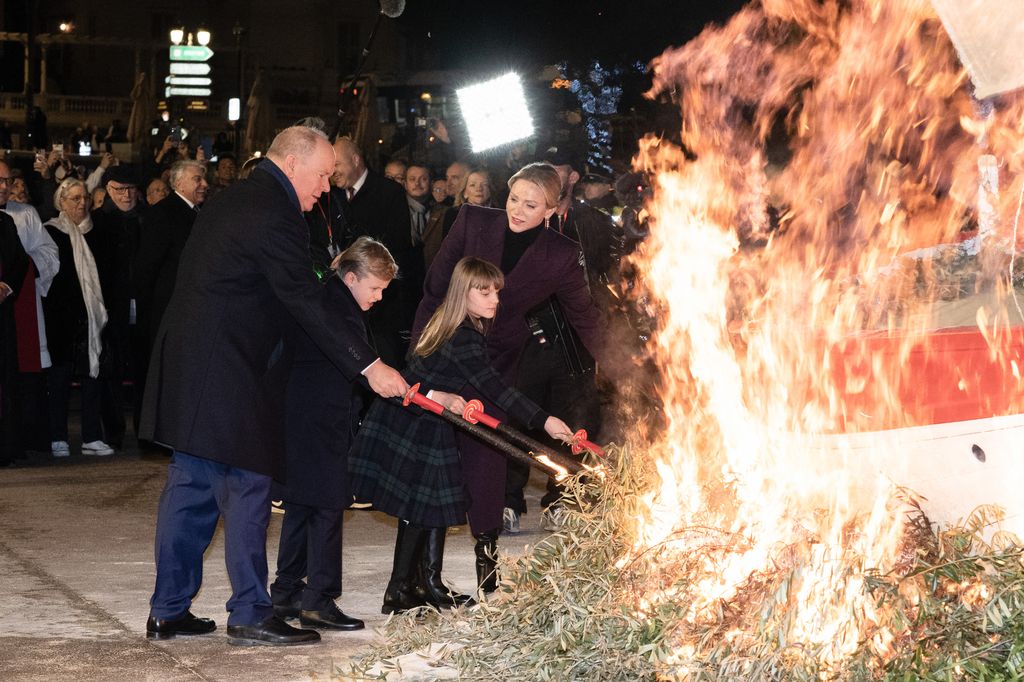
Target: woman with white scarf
x=75 y=317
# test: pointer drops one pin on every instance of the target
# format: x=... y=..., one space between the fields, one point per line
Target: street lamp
x=188 y=78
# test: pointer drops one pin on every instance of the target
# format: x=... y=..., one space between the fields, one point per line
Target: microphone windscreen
x=392 y=8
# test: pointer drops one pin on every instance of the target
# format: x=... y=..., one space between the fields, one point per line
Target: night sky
x=477 y=33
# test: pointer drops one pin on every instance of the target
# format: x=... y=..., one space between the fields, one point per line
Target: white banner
x=989 y=37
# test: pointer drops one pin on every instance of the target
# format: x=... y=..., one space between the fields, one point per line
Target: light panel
x=495 y=112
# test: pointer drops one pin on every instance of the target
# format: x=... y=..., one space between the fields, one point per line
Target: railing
x=69 y=105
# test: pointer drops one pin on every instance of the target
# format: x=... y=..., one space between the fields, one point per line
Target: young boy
x=322 y=408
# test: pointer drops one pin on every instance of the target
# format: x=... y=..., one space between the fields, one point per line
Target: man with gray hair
x=217 y=380
x=165 y=229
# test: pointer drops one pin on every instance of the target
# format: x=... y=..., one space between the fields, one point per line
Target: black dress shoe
x=159 y=628
x=286 y=611
x=271 y=631
x=330 y=618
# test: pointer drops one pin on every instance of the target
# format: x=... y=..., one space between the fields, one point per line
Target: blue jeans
x=197 y=493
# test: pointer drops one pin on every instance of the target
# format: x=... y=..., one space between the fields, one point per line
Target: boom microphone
x=392 y=8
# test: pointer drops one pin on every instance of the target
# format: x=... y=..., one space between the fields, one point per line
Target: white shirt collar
x=190 y=204
x=359 y=183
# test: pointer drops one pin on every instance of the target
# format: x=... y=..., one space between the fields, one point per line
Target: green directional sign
x=190 y=53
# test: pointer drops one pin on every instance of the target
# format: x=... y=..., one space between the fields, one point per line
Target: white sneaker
x=510 y=521
x=60 y=448
x=97 y=447
x=552 y=518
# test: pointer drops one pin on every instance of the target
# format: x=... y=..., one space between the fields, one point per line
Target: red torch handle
x=420 y=400
x=580 y=443
x=474 y=414
x=554 y=464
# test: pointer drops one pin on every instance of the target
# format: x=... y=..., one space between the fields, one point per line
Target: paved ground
x=76 y=556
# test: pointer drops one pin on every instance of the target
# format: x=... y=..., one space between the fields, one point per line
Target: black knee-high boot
x=400 y=595
x=429 y=586
x=487 y=560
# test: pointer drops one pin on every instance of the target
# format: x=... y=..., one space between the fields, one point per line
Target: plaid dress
x=404 y=460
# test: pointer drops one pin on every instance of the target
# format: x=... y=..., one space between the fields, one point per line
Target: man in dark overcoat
x=217 y=380
x=165 y=230
x=163 y=234
x=114 y=240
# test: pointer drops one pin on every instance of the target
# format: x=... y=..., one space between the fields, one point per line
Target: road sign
x=190 y=53
x=190 y=92
x=189 y=69
x=201 y=81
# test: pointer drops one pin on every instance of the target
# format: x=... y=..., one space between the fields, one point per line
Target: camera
x=421 y=122
x=84 y=149
x=59 y=148
x=175 y=134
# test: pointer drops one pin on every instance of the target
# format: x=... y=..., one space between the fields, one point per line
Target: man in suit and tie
x=217 y=381
x=165 y=228
x=376 y=207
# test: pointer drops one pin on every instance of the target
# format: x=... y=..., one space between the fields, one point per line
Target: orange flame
x=854 y=121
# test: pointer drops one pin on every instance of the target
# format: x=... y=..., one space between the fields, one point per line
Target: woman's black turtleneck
x=516 y=244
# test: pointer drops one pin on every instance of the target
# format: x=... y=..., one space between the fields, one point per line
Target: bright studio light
x=495 y=112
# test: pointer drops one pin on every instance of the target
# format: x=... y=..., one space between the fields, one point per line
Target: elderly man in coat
x=217 y=378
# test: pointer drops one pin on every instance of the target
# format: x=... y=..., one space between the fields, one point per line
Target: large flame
x=854 y=121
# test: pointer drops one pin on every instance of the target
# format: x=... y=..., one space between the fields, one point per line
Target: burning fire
x=854 y=122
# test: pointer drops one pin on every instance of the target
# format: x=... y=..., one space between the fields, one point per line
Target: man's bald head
x=298 y=141
x=349 y=165
x=306 y=158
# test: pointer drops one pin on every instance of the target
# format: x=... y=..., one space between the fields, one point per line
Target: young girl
x=405 y=460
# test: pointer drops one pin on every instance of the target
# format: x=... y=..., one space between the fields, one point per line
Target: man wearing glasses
x=116 y=224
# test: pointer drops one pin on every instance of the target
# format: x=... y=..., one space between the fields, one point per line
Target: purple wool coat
x=550 y=267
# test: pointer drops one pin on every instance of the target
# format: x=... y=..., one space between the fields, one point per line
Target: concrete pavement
x=76 y=557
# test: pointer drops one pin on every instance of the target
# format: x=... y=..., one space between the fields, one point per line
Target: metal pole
x=551 y=462
x=237 y=31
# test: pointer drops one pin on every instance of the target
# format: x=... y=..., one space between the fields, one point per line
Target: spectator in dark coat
x=163 y=233
x=164 y=230
x=14 y=263
x=114 y=241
